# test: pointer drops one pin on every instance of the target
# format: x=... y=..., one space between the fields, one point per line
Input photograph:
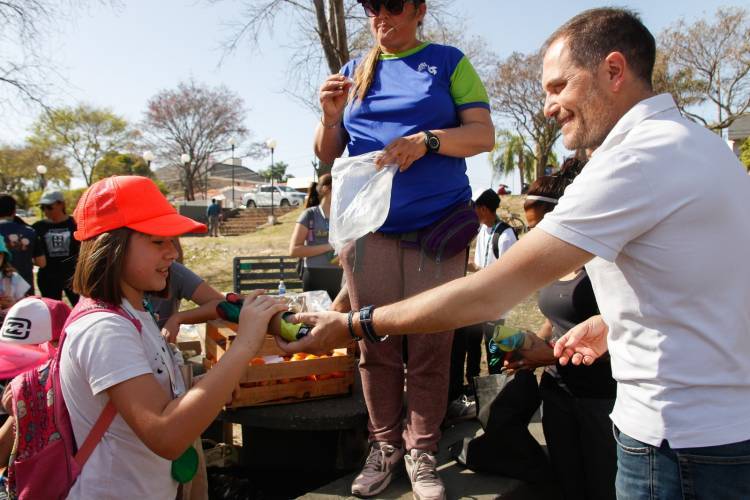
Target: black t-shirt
x=565 y=304
x=59 y=245
x=23 y=244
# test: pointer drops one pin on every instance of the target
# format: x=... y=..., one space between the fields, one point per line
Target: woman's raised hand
x=333 y=96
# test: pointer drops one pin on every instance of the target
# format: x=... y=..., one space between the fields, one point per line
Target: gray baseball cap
x=50 y=197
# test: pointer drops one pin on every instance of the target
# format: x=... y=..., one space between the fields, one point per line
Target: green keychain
x=186 y=466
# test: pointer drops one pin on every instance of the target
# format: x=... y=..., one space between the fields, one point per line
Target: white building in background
x=738 y=132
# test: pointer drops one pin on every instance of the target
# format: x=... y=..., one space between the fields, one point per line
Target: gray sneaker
x=421 y=466
x=378 y=471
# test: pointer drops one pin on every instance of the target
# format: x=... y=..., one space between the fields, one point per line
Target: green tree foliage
x=277 y=171
x=745 y=153
x=510 y=154
x=114 y=163
x=82 y=134
x=18 y=174
x=518 y=98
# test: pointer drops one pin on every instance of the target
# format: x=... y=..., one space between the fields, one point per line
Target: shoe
x=421 y=466
x=463 y=408
x=378 y=471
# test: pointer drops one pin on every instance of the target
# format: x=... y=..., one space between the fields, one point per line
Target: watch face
x=433 y=143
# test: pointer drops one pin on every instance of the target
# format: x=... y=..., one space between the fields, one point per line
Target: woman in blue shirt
x=425 y=107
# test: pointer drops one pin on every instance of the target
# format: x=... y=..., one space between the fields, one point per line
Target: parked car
x=283 y=196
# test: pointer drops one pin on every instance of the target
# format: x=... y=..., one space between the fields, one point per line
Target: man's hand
x=538 y=353
x=583 y=343
x=330 y=331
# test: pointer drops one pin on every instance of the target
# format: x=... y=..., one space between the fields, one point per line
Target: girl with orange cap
x=126 y=228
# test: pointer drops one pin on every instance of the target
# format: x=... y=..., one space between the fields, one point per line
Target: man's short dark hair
x=489 y=199
x=7 y=205
x=595 y=33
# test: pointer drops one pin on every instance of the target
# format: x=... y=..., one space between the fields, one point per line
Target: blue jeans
x=646 y=472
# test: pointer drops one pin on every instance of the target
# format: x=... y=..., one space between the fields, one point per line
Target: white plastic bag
x=361 y=198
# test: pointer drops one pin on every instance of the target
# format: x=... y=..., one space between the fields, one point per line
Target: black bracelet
x=350 y=324
x=365 y=322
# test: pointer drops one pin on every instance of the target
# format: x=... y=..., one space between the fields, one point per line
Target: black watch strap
x=431 y=141
x=365 y=322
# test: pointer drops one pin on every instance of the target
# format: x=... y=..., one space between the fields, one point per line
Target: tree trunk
x=324 y=33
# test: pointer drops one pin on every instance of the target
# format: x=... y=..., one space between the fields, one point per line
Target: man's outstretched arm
x=533 y=262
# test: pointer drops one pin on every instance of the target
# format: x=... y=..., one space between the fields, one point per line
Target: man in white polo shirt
x=675 y=307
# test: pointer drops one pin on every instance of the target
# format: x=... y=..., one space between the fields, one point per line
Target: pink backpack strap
x=97 y=433
x=84 y=307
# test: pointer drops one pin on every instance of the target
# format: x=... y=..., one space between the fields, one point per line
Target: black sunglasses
x=394 y=7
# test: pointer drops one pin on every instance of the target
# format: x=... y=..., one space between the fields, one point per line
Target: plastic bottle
x=508 y=338
x=282 y=288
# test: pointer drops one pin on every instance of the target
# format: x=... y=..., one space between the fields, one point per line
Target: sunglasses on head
x=394 y=7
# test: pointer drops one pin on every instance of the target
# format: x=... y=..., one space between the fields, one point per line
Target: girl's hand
x=333 y=96
x=171 y=328
x=403 y=152
x=254 y=317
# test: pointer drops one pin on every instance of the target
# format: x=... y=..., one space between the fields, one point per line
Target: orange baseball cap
x=129 y=201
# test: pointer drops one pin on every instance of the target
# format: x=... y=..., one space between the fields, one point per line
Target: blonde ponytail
x=365 y=73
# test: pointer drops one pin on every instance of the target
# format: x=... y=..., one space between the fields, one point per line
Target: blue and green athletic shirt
x=420 y=89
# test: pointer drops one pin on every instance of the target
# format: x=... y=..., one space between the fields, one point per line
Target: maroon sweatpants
x=379 y=272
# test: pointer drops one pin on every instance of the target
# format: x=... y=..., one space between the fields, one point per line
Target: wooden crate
x=286 y=382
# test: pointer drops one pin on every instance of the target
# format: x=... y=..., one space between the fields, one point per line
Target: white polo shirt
x=663 y=204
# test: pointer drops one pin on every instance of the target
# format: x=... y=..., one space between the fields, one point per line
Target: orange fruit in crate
x=312 y=356
x=298 y=356
x=257 y=361
x=337 y=374
x=283 y=381
x=325 y=376
x=312 y=377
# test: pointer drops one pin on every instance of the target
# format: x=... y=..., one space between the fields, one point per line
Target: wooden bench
x=264 y=273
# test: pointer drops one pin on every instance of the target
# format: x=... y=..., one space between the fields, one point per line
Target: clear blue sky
x=120 y=58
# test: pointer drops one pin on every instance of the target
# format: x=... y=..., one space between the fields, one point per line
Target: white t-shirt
x=102 y=350
x=663 y=206
x=484 y=254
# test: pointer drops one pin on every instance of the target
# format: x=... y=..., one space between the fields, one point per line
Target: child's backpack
x=46 y=461
x=499 y=229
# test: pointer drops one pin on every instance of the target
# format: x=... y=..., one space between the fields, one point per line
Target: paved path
x=460 y=482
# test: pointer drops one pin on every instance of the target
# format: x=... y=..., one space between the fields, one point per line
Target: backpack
x=500 y=228
x=46 y=461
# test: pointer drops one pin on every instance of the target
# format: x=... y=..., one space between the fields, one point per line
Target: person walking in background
x=495 y=237
x=577 y=400
x=424 y=105
x=674 y=308
x=21 y=240
x=212 y=213
x=55 y=232
x=320 y=271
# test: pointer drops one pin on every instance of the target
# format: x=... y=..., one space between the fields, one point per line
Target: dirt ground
x=211 y=258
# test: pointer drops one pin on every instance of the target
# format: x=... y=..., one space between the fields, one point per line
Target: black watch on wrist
x=365 y=322
x=431 y=141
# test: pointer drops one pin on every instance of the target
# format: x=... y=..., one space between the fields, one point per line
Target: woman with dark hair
x=310 y=241
x=577 y=400
x=424 y=106
x=312 y=200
